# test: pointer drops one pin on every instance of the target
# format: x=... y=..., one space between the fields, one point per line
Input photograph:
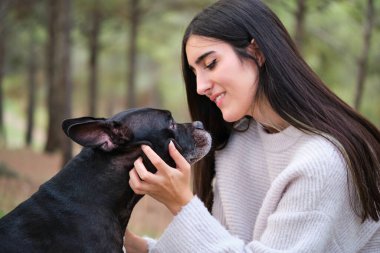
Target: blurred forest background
x=70 y=58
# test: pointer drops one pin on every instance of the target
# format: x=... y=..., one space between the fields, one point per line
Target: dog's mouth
x=202 y=145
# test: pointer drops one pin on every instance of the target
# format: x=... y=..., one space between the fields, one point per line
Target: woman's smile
x=218 y=98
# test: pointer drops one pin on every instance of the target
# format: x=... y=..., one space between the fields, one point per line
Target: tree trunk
x=4 y=4
x=31 y=84
x=52 y=140
x=363 y=58
x=134 y=23
x=64 y=75
x=2 y=55
x=154 y=90
x=60 y=91
x=96 y=20
x=300 y=16
x=2 y=61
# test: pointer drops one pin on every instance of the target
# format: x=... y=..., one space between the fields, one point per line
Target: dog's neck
x=112 y=174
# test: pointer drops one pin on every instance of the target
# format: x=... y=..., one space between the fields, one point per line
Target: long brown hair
x=293 y=90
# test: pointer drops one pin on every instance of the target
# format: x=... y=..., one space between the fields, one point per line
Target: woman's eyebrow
x=200 y=58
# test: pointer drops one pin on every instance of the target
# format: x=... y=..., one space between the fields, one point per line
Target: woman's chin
x=231 y=117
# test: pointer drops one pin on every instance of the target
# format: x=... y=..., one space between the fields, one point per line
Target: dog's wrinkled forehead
x=142 y=116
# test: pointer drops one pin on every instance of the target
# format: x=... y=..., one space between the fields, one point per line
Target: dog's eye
x=173 y=125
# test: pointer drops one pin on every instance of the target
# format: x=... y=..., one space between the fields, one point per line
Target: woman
x=293 y=168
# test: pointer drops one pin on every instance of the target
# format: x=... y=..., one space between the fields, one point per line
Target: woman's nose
x=203 y=85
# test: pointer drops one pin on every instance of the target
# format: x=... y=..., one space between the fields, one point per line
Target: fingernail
x=143 y=147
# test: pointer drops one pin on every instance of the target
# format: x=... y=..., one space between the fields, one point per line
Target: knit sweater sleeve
x=301 y=213
x=195 y=230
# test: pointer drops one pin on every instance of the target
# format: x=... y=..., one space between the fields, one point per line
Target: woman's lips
x=219 y=99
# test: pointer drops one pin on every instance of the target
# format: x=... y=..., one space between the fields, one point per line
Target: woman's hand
x=170 y=186
x=134 y=243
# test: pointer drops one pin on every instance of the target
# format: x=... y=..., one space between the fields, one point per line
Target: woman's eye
x=211 y=65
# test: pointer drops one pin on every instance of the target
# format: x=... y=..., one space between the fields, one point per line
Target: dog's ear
x=91 y=132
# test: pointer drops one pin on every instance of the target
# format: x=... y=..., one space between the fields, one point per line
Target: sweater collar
x=276 y=142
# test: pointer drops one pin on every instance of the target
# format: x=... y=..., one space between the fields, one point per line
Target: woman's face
x=227 y=80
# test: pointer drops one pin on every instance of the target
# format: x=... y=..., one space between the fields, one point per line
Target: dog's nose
x=198 y=125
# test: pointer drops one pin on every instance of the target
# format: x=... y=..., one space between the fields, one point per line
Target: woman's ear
x=254 y=50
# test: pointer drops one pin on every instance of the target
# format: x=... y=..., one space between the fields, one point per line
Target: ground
x=22 y=171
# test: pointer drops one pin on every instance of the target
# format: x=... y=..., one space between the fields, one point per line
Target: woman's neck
x=269 y=119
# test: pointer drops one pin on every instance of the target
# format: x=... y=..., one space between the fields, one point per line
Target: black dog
x=87 y=205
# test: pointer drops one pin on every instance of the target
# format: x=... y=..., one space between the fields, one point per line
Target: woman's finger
x=155 y=159
x=142 y=172
x=138 y=186
x=179 y=160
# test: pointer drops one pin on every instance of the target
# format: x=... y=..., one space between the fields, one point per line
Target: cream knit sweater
x=283 y=192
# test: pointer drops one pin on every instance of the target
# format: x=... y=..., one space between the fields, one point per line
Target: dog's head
x=130 y=129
